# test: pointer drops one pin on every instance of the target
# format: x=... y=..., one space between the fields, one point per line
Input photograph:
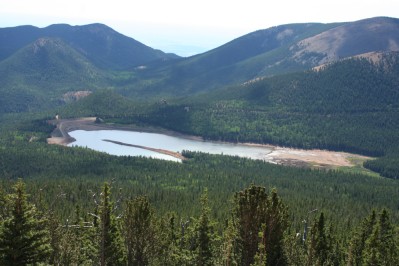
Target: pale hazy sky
x=188 y=27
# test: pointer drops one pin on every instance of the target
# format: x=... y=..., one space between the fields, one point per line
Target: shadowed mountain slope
x=36 y=75
x=102 y=45
x=273 y=51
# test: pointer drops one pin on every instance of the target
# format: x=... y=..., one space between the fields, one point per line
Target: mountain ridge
x=42 y=71
x=105 y=47
x=147 y=73
x=246 y=58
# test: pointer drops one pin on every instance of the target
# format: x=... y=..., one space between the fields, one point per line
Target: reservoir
x=96 y=140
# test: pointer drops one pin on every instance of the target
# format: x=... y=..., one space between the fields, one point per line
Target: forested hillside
x=160 y=203
x=273 y=51
x=75 y=206
x=36 y=77
x=138 y=71
x=347 y=106
x=103 y=46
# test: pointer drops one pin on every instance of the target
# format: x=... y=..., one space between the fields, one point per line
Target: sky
x=187 y=27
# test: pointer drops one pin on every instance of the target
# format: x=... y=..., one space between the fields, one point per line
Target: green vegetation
x=24 y=239
x=83 y=207
x=101 y=45
x=256 y=233
x=172 y=186
x=348 y=106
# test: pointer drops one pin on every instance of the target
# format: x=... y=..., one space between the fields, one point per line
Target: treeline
x=131 y=232
x=348 y=106
x=68 y=175
x=387 y=166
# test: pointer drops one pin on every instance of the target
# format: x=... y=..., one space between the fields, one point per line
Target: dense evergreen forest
x=208 y=210
x=80 y=207
x=128 y=231
x=75 y=206
x=348 y=106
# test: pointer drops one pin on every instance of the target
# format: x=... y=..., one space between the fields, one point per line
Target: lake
x=95 y=140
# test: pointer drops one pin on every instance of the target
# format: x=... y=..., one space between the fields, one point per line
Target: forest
x=74 y=206
x=130 y=232
x=190 y=213
x=347 y=106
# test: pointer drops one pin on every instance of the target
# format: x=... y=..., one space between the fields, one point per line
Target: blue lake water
x=94 y=140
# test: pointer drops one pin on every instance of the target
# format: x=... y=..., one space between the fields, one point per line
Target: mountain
x=137 y=71
x=38 y=74
x=364 y=36
x=273 y=51
x=39 y=65
x=103 y=46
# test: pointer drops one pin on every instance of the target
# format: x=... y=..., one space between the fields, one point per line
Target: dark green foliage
x=347 y=106
x=387 y=165
x=140 y=232
x=358 y=241
x=194 y=242
x=261 y=255
x=321 y=245
x=110 y=242
x=205 y=236
x=375 y=242
x=173 y=186
x=381 y=247
x=254 y=208
x=23 y=239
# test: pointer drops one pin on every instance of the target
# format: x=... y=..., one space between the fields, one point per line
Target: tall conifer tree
x=254 y=207
x=205 y=237
x=140 y=231
x=110 y=246
x=381 y=247
x=24 y=239
x=358 y=241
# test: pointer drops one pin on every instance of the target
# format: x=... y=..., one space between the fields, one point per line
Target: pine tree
x=169 y=248
x=56 y=234
x=322 y=247
x=250 y=213
x=358 y=241
x=205 y=237
x=24 y=239
x=229 y=243
x=381 y=247
x=140 y=231
x=276 y=224
x=110 y=242
x=261 y=256
x=319 y=246
x=294 y=250
x=253 y=207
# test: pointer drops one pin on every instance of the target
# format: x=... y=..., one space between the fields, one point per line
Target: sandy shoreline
x=278 y=155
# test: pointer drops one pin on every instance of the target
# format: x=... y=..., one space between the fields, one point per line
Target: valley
x=286 y=137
